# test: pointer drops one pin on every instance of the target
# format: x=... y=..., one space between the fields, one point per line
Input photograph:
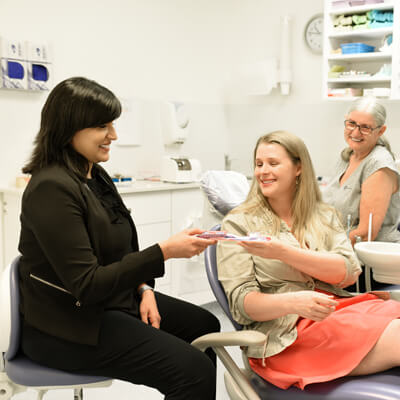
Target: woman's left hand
x=149 y=310
x=271 y=248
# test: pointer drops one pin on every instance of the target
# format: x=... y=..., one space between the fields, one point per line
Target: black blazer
x=65 y=286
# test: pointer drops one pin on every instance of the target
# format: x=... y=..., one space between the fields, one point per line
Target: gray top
x=346 y=198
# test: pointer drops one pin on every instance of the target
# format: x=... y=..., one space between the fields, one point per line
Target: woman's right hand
x=185 y=244
x=313 y=305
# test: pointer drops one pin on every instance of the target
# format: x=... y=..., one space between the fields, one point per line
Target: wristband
x=143 y=289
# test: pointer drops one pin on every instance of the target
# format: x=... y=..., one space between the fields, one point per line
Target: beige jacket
x=241 y=273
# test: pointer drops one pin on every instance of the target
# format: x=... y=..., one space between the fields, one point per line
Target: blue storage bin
x=351 y=48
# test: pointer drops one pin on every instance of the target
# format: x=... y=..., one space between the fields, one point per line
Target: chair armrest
x=222 y=339
x=218 y=341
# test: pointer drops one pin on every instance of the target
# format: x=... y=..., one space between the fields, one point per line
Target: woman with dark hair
x=87 y=297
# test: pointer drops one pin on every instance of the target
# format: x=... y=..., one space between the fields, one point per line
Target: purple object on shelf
x=354 y=3
x=340 y=3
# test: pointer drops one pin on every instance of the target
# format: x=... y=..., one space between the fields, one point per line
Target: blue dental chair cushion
x=381 y=386
x=23 y=371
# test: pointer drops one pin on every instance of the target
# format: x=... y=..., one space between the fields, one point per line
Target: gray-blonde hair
x=372 y=106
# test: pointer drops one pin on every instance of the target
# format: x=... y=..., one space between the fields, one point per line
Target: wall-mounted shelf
x=358 y=80
x=360 y=34
x=360 y=9
x=384 y=64
x=361 y=57
x=347 y=98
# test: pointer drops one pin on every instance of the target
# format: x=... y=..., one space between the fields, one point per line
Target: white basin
x=383 y=258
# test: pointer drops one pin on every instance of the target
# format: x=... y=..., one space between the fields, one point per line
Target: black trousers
x=132 y=351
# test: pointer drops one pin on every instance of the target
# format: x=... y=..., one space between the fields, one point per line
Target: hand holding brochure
x=222 y=235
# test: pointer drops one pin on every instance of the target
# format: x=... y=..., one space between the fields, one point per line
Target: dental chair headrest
x=225 y=190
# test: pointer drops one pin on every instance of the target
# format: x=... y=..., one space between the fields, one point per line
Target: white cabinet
x=160 y=214
x=159 y=210
x=190 y=281
x=151 y=213
x=10 y=202
x=356 y=73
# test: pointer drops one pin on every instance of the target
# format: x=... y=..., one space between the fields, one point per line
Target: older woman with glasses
x=366 y=180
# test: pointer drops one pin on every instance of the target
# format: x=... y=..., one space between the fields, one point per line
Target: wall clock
x=313 y=33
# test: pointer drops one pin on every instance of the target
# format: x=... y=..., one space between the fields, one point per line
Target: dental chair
x=222 y=190
x=17 y=372
x=243 y=384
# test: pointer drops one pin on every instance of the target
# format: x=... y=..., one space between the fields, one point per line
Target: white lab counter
x=135 y=187
x=159 y=210
x=151 y=186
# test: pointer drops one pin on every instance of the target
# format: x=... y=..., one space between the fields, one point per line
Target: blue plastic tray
x=351 y=48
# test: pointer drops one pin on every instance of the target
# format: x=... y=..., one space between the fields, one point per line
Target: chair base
x=9 y=388
x=22 y=373
x=78 y=394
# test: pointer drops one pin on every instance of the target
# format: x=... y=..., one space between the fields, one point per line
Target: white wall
x=183 y=50
x=151 y=50
x=318 y=122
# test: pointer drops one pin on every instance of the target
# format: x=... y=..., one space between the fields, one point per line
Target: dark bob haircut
x=74 y=104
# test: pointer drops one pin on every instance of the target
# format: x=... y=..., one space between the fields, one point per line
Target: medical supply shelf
x=376 y=72
x=361 y=56
x=360 y=9
x=360 y=79
x=361 y=34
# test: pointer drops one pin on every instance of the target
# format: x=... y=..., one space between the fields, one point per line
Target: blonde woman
x=291 y=287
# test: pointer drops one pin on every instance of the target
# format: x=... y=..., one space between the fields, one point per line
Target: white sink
x=383 y=258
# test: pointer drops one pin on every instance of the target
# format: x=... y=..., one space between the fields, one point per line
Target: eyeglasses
x=364 y=129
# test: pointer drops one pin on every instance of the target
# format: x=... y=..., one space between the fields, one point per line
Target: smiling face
x=359 y=143
x=275 y=171
x=94 y=143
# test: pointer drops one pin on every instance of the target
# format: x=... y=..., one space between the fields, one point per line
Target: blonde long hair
x=308 y=210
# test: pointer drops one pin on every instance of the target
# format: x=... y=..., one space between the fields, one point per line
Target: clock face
x=313 y=33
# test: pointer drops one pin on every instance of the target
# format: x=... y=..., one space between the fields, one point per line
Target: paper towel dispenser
x=174 y=122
